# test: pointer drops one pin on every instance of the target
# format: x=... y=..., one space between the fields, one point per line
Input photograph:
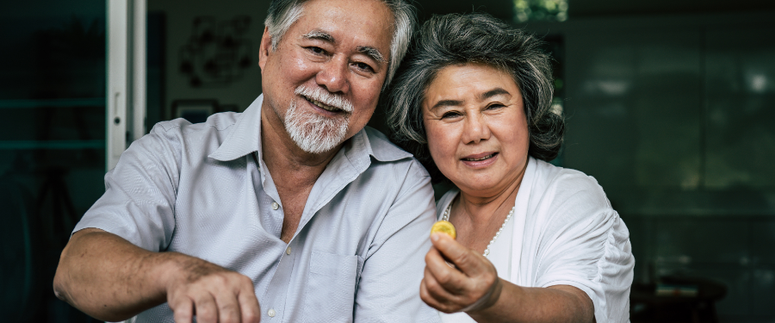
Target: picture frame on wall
x=194 y=110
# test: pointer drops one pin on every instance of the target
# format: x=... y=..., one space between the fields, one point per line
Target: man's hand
x=471 y=285
x=110 y=279
x=213 y=294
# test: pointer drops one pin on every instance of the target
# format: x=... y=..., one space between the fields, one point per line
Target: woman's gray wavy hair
x=283 y=13
x=479 y=38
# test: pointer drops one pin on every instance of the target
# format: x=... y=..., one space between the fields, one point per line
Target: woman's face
x=476 y=127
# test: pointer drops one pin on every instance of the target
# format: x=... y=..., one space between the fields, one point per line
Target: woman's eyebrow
x=492 y=93
x=444 y=103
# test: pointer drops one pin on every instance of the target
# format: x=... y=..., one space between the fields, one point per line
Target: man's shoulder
x=382 y=149
x=179 y=130
x=384 y=162
x=216 y=122
x=385 y=152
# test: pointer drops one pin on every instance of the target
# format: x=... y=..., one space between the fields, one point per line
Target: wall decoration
x=217 y=53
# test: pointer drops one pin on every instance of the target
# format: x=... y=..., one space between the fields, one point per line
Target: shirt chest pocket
x=330 y=292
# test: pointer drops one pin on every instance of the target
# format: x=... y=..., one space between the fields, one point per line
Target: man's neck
x=293 y=170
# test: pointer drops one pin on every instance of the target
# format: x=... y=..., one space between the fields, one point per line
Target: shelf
x=52 y=103
x=53 y=144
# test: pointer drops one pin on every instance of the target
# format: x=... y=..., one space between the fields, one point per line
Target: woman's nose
x=476 y=129
x=333 y=76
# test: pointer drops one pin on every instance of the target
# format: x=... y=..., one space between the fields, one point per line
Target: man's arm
x=111 y=279
x=389 y=285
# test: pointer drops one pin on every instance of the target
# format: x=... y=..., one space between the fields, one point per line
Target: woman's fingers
x=436 y=295
x=472 y=285
x=444 y=287
x=468 y=261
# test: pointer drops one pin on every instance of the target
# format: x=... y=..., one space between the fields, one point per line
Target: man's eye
x=364 y=67
x=316 y=50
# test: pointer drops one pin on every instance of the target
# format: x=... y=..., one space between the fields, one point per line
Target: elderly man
x=293 y=204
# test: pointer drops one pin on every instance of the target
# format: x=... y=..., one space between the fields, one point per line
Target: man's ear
x=265 y=49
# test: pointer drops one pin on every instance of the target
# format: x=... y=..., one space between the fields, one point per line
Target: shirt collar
x=246 y=136
x=246 y=139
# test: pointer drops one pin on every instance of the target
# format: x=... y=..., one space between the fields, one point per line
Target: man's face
x=325 y=76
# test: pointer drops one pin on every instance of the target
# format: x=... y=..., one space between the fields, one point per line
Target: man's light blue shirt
x=204 y=190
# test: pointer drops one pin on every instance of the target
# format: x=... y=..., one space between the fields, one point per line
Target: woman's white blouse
x=563 y=232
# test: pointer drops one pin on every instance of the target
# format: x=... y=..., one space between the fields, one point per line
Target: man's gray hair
x=479 y=38
x=283 y=13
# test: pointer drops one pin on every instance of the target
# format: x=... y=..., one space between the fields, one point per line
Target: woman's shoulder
x=564 y=196
x=564 y=182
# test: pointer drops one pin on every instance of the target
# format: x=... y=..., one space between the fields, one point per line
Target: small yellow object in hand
x=444 y=227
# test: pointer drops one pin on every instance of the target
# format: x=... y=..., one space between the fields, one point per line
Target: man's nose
x=476 y=129
x=333 y=75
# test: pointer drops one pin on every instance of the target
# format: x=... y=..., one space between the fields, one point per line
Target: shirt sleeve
x=138 y=203
x=389 y=287
x=585 y=244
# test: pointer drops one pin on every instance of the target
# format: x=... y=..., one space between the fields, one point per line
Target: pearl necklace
x=445 y=217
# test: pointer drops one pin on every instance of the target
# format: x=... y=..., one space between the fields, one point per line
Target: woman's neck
x=477 y=218
x=481 y=209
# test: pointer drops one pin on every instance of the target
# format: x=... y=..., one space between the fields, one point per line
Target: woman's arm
x=473 y=286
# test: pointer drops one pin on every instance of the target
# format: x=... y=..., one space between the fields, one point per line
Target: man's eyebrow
x=321 y=35
x=492 y=93
x=372 y=53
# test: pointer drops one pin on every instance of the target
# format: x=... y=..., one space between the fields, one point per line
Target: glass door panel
x=52 y=144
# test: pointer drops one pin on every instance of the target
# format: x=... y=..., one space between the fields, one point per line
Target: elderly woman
x=535 y=242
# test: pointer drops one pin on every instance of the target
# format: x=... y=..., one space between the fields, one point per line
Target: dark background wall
x=669 y=114
x=668 y=106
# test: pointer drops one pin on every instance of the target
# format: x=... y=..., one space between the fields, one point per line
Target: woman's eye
x=495 y=106
x=450 y=114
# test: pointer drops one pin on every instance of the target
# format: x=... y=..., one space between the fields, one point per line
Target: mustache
x=325 y=97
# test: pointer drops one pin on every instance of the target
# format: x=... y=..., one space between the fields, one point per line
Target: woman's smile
x=480 y=160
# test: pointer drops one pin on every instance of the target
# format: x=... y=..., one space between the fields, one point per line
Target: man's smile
x=324 y=106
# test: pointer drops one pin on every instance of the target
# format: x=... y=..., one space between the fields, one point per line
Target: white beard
x=312 y=132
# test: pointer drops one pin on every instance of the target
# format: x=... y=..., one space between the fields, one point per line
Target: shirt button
x=288 y=250
x=275 y=206
x=271 y=312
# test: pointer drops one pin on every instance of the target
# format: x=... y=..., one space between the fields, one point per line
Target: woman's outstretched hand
x=458 y=279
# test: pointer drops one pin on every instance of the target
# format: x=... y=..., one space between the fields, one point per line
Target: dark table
x=647 y=306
